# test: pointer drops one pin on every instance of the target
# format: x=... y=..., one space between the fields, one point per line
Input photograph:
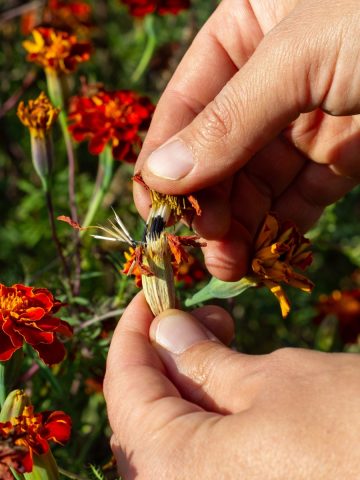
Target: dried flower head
x=56 y=51
x=30 y=432
x=345 y=306
x=38 y=115
x=117 y=118
x=140 y=8
x=27 y=315
x=280 y=250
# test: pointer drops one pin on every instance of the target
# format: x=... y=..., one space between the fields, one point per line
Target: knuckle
x=217 y=120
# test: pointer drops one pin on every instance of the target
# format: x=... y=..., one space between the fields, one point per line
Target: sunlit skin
x=266 y=99
x=242 y=112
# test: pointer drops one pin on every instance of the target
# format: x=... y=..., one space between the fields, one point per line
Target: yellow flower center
x=12 y=302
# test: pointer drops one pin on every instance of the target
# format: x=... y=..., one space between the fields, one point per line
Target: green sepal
x=218 y=289
x=45 y=468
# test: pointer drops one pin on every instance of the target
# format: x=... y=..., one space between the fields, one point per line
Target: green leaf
x=218 y=289
x=44 y=468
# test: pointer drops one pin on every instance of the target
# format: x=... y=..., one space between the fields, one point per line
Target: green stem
x=103 y=179
x=72 y=198
x=148 y=51
x=2 y=383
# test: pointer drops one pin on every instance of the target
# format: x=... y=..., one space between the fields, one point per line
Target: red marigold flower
x=27 y=315
x=134 y=264
x=56 y=51
x=190 y=272
x=140 y=8
x=32 y=431
x=68 y=15
x=111 y=117
x=345 y=306
x=280 y=249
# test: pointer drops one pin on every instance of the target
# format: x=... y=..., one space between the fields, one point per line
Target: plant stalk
x=149 y=48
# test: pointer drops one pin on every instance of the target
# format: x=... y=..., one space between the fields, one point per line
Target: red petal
x=71 y=222
x=57 y=426
x=33 y=336
x=51 y=353
x=6 y=347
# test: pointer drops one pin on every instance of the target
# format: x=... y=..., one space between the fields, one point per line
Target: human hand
x=185 y=406
x=263 y=110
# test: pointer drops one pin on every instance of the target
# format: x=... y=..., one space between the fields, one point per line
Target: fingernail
x=177 y=332
x=172 y=161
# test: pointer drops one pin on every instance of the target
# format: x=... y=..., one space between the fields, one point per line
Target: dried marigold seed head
x=27 y=314
x=38 y=115
x=159 y=288
x=56 y=51
x=280 y=249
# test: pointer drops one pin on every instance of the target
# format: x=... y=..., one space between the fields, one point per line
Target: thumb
x=287 y=75
x=203 y=369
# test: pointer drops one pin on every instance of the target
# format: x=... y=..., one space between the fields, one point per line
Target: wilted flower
x=30 y=433
x=280 y=249
x=345 y=306
x=39 y=115
x=27 y=315
x=11 y=456
x=116 y=118
x=56 y=51
x=140 y=8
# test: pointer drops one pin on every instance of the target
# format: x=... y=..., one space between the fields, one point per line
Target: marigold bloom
x=106 y=117
x=134 y=264
x=38 y=115
x=140 y=8
x=190 y=271
x=67 y=15
x=345 y=306
x=27 y=315
x=56 y=51
x=279 y=250
x=32 y=431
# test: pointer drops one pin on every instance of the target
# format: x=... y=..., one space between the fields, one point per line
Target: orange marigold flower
x=56 y=51
x=279 y=250
x=116 y=117
x=345 y=306
x=27 y=315
x=38 y=115
x=140 y=8
x=32 y=431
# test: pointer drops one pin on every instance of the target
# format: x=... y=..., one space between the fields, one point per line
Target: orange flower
x=56 y=51
x=39 y=115
x=116 y=117
x=32 y=432
x=345 y=306
x=279 y=250
x=27 y=315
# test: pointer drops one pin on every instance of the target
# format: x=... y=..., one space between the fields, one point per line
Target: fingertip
x=141 y=199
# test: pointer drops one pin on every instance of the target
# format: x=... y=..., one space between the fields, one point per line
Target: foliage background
x=27 y=254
